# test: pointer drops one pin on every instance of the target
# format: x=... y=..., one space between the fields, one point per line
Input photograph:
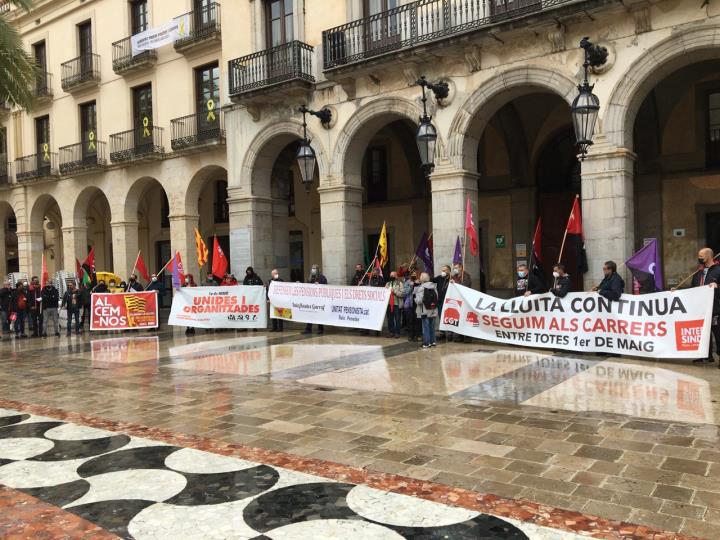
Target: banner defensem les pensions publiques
x=658 y=325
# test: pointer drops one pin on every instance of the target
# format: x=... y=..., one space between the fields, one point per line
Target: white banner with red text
x=350 y=307
x=238 y=307
x=658 y=325
x=124 y=311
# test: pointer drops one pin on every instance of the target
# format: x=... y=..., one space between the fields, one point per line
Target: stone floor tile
x=558 y=447
x=582 y=438
x=700 y=529
x=685 y=465
x=479 y=447
x=588 y=478
x=706 y=498
x=650 y=474
x=673 y=493
x=498 y=475
x=709 y=455
x=593 y=492
x=599 y=453
x=560 y=473
x=676 y=451
x=526 y=467
x=544 y=483
x=491 y=461
x=657 y=427
x=634 y=500
x=457 y=480
x=498 y=488
x=661 y=521
x=606 y=467
x=629 y=485
x=608 y=510
x=683 y=510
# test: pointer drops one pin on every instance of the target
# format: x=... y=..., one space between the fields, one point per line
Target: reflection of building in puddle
x=648 y=392
x=424 y=374
x=125 y=350
x=254 y=357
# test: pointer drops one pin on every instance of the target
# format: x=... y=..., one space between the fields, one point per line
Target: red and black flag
x=536 y=252
x=89 y=265
x=574 y=235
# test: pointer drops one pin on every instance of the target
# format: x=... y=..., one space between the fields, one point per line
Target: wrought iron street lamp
x=586 y=105
x=305 y=154
x=426 y=136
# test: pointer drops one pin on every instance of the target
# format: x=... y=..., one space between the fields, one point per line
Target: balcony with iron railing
x=43 y=87
x=199 y=130
x=138 y=144
x=424 y=21
x=124 y=61
x=87 y=156
x=36 y=166
x=273 y=69
x=202 y=29
x=81 y=72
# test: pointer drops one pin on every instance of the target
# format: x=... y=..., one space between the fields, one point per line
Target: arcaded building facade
x=505 y=136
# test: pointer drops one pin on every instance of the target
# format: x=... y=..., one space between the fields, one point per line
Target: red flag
x=470 y=230
x=377 y=266
x=219 y=262
x=45 y=277
x=78 y=270
x=89 y=261
x=574 y=224
x=537 y=242
x=140 y=267
x=178 y=274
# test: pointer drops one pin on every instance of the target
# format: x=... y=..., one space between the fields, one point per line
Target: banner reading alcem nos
x=242 y=306
x=658 y=325
x=351 y=307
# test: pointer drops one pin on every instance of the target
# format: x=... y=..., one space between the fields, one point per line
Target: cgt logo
x=688 y=335
x=451 y=316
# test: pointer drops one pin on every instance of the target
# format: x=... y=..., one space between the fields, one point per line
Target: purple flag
x=457 y=258
x=424 y=252
x=176 y=281
x=646 y=268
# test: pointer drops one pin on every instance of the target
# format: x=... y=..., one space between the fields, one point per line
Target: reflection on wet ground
x=601 y=435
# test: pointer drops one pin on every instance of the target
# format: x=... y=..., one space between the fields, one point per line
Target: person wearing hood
x=426 y=299
x=132 y=284
x=562 y=284
x=251 y=278
x=316 y=276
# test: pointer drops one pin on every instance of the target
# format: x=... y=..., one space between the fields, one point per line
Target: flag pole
x=462 y=274
x=562 y=246
x=715 y=258
x=136 y=260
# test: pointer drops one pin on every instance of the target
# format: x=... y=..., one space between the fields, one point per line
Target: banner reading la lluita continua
x=659 y=325
x=124 y=311
x=350 y=307
x=243 y=306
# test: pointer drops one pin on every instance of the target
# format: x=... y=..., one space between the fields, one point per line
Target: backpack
x=21 y=302
x=430 y=299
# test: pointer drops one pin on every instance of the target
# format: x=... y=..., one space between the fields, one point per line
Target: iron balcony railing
x=204 y=23
x=199 y=128
x=40 y=165
x=136 y=143
x=4 y=170
x=84 y=156
x=290 y=61
x=80 y=70
x=123 y=58
x=43 y=85
x=420 y=22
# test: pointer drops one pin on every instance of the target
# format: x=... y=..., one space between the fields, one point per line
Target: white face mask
x=456 y=272
x=154 y=278
x=313 y=272
x=187 y=280
x=556 y=274
x=443 y=273
x=274 y=276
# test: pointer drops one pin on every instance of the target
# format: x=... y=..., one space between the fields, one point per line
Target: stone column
x=182 y=239
x=450 y=190
x=125 y=246
x=608 y=209
x=251 y=233
x=4 y=256
x=341 y=222
x=30 y=250
x=74 y=246
x=281 y=238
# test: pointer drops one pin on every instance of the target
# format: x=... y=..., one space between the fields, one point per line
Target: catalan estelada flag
x=202 y=250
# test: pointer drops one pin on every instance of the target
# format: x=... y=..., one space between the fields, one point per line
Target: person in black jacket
x=360 y=278
x=709 y=275
x=34 y=295
x=5 y=294
x=277 y=324
x=50 y=302
x=84 y=293
x=612 y=286
x=72 y=302
x=133 y=285
x=528 y=283
x=251 y=278
x=19 y=308
x=316 y=276
x=562 y=281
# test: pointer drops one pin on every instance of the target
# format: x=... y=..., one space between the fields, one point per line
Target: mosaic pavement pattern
x=143 y=489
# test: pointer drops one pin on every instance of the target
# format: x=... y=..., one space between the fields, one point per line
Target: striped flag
x=202 y=250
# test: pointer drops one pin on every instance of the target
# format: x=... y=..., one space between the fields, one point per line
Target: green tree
x=18 y=71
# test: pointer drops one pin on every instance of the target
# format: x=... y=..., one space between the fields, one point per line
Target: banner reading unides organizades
x=219 y=307
x=165 y=34
x=124 y=311
x=351 y=307
x=659 y=325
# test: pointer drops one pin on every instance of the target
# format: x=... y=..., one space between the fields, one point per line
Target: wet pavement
x=542 y=442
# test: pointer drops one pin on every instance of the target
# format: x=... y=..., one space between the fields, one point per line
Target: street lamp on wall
x=306 y=154
x=586 y=105
x=426 y=136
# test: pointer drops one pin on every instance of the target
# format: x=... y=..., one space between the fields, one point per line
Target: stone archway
x=45 y=234
x=472 y=117
x=9 y=262
x=90 y=226
x=652 y=66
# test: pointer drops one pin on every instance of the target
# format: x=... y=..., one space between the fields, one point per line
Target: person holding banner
x=562 y=284
x=189 y=282
x=277 y=324
x=528 y=283
x=612 y=285
x=132 y=284
x=360 y=278
x=442 y=282
x=71 y=302
x=316 y=277
x=709 y=274
x=156 y=285
x=395 y=306
x=251 y=278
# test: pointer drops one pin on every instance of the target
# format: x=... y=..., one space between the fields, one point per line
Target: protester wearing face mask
x=395 y=306
x=528 y=283
x=251 y=278
x=156 y=285
x=460 y=277
x=413 y=323
x=709 y=275
x=132 y=284
x=229 y=281
x=360 y=278
x=277 y=324
x=316 y=276
x=562 y=281
x=189 y=282
x=442 y=281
